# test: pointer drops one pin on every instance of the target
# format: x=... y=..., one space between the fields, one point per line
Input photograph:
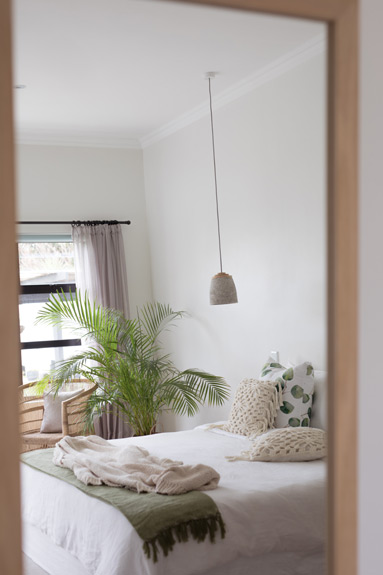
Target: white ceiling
x=120 y=70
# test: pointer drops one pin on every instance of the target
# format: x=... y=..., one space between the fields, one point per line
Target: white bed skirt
x=57 y=561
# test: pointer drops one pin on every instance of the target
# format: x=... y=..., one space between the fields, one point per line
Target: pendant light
x=222 y=287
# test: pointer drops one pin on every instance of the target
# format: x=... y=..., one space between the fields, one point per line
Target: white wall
x=241 y=333
x=371 y=292
x=74 y=183
x=270 y=149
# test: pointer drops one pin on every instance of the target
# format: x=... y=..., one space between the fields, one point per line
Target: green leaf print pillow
x=297 y=392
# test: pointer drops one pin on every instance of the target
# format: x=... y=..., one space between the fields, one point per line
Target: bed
x=274 y=515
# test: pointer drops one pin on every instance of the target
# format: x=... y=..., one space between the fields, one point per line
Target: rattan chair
x=31 y=409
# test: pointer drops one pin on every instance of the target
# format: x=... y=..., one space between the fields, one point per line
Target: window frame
x=43 y=290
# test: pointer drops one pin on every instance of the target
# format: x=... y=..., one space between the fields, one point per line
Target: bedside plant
x=124 y=358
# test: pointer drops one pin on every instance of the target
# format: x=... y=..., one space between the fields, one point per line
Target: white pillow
x=287 y=444
x=254 y=408
x=319 y=410
x=52 y=419
x=297 y=395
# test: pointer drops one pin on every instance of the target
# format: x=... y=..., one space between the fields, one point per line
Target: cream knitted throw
x=95 y=461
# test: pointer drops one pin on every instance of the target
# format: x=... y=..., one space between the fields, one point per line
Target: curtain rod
x=78 y=222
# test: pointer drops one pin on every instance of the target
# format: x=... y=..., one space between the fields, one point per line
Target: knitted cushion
x=289 y=444
x=254 y=408
x=298 y=387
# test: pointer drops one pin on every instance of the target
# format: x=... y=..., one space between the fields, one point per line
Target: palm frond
x=211 y=388
x=72 y=311
x=180 y=398
x=156 y=317
x=124 y=357
x=190 y=388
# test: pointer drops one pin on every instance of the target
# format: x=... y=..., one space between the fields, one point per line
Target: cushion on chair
x=52 y=421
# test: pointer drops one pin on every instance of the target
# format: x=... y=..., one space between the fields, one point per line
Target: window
x=45 y=267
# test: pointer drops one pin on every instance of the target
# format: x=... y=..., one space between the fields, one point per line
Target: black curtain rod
x=79 y=223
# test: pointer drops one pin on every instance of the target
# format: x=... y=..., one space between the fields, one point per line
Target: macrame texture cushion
x=254 y=408
x=288 y=444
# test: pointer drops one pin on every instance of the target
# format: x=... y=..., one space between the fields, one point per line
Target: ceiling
x=121 y=72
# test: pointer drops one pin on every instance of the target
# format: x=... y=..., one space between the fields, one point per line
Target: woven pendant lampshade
x=222 y=287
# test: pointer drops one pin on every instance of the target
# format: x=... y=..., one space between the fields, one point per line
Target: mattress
x=274 y=516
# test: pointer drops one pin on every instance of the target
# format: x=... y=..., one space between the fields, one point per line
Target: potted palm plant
x=125 y=359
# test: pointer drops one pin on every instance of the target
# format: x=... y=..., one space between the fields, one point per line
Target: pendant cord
x=215 y=177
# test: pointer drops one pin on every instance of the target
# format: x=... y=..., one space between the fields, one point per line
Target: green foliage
x=265 y=372
x=288 y=374
x=294 y=422
x=40 y=386
x=297 y=391
x=286 y=407
x=124 y=358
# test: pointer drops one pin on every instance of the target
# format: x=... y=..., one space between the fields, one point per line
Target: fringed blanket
x=161 y=521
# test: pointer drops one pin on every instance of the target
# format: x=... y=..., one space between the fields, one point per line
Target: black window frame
x=44 y=290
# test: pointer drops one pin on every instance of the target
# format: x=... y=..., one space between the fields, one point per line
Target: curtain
x=101 y=271
x=100 y=264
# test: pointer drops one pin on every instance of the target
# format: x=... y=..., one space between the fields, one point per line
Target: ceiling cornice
x=76 y=138
x=99 y=139
x=276 y=68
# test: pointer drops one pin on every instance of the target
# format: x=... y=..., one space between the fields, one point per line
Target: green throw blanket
x=160 y=520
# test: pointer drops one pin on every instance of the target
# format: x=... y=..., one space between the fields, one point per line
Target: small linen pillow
x=52 y=419
x=254 y=408
x=297 y=392
x=288 y=444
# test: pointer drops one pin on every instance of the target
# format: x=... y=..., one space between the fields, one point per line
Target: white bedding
x=271 y=510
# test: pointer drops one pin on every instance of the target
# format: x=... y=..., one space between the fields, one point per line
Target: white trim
x=95 y=139
x=76 y=138
x=280 y=66
x=44 y=238
x=41 y=230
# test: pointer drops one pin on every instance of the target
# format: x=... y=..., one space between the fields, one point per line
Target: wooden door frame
x=342 y=19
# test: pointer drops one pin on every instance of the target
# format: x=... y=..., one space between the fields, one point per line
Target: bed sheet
x=268 y=509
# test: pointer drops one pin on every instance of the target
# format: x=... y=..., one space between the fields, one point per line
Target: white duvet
x=268 y=508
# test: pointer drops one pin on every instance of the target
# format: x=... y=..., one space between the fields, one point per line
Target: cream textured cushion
x=298 y=387
x=52 y=420
x=289 y=444
x=254 y=408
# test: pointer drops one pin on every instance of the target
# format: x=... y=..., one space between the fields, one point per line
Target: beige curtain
x=101 y=271
x=100 y=264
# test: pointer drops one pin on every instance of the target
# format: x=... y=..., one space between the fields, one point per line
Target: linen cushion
x=319 y=413
x=288 y=444
x=52 y=419
x=297 y=392
x=254 y=408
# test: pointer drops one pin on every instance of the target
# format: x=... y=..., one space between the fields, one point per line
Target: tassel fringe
x=271 y=410
x=198 y=529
